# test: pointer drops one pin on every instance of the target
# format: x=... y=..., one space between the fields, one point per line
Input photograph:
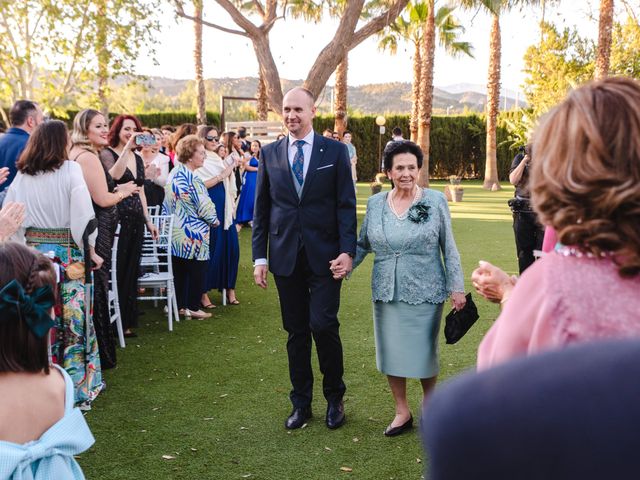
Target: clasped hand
x=341 y=266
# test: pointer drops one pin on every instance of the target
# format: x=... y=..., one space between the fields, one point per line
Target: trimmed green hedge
x=457 y=142
x=157 y=119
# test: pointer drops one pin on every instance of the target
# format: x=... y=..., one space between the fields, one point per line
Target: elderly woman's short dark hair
x=396 y=148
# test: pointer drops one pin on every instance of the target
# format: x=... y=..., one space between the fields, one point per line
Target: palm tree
x=604 y=38
x=414 y=27
x=494 y=8
x=197 y=57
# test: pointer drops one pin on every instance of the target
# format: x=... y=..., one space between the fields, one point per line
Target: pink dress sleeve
x=550 y=240
x=525 y=324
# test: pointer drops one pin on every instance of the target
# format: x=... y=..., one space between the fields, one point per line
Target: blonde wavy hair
x=585 y=180
x=81 y=122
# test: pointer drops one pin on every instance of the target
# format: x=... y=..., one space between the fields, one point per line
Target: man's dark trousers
x=312 y=310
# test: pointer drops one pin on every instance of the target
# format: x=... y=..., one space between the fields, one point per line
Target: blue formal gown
x=244 y=212
x=225 y=254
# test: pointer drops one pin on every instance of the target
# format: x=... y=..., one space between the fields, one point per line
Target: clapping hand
x=491 y=282
x=4 y=174
x=11 y=217
x=341 y=266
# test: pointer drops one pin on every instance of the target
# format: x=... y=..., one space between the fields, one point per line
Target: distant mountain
x=387 y=98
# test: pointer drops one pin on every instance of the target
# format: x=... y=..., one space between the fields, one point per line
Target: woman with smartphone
x=153 y=189
x=132 y=212
x=89 y=136
x=225 y=249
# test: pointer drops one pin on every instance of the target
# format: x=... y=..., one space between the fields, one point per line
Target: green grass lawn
x=208 y=400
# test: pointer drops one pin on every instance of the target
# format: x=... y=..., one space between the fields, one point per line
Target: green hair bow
x=34 y=308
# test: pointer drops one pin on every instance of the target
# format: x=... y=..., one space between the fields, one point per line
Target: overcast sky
x=296 y=44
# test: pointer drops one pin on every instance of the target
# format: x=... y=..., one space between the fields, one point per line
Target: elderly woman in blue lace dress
x=416 y=267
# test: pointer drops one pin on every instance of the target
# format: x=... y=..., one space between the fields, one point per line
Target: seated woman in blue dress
x=40 y=430
x=409 y=231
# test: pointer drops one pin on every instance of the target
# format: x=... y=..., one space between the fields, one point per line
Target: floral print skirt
x=75 y=346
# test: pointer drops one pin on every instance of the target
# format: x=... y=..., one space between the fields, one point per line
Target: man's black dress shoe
x=297 y=418
x=335 y=415
x=393 y=431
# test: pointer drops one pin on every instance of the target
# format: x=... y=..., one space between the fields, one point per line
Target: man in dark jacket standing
x=24 y=116
x=305 y=226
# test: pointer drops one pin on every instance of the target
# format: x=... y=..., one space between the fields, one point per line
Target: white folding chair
x=148 y=245
x=114 y=303
x=157 y=255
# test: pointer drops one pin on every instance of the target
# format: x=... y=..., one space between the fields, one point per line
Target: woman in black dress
x=88 y=137
x=132 y=212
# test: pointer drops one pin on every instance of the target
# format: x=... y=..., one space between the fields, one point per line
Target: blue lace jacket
x=429 y=264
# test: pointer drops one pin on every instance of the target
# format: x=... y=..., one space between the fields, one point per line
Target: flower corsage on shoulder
x=419 y=212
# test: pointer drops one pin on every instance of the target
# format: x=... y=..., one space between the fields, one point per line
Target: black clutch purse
x=457 y=323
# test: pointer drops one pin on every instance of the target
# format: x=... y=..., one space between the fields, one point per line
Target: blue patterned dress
x=193 y=211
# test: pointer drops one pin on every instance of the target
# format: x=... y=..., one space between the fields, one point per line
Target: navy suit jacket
x=322 y=219
x=12 y=144
x=562 y=415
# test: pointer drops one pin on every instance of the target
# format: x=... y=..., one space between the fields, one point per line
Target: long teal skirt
x=407 y=338
x=77 y=343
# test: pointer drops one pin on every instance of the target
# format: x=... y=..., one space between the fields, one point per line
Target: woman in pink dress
x=585 y=185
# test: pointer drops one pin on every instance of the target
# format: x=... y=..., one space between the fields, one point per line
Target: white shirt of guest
x=162 y=162
x=50 y=197
x=307 y=148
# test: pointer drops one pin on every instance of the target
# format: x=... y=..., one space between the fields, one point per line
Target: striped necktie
x=298 y=162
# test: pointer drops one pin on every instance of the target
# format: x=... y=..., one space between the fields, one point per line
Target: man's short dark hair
x=403 y=146
x=21 y=111
x=397 y=131
x=171 y=128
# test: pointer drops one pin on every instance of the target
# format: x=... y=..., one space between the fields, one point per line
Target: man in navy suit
x=305 y=225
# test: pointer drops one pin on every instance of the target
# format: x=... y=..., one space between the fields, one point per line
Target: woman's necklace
x=392 y=207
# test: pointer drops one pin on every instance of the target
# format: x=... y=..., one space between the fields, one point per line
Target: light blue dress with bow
x=51 y=457
x=416 y=267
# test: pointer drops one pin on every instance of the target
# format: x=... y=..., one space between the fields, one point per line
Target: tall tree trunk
x=415 y=92
x=426 y=91
x=345 y=39
x=493 y=101
x=261 y=96
x=201 y=114
x=340 y=96
x=604 y=39
x=269 y=70
x=102 y=54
